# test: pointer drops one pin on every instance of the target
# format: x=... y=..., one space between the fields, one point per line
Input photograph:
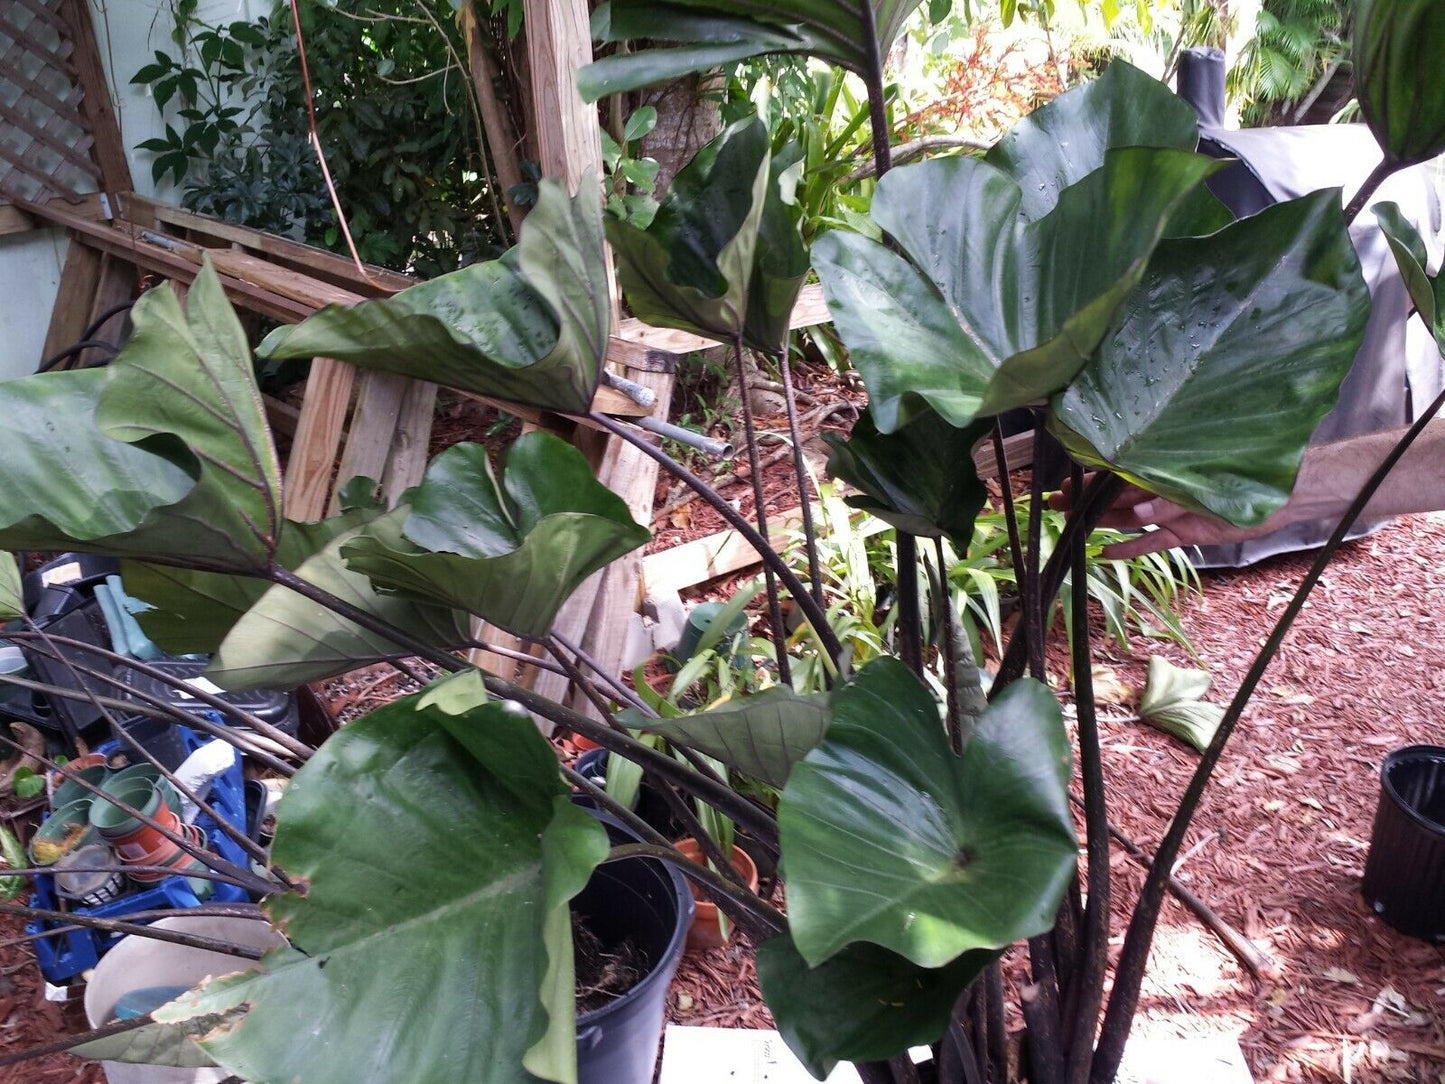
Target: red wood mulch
x=1280 y=842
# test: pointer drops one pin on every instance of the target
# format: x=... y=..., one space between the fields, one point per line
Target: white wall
x=128 y=33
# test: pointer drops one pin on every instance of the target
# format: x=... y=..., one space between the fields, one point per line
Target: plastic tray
x=63 y=956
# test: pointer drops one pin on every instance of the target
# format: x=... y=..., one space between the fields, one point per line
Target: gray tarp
x=1398 y=368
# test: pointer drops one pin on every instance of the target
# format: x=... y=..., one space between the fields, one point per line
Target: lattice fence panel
x=45 y=142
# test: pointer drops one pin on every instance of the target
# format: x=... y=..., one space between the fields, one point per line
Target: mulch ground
x=1279 y=844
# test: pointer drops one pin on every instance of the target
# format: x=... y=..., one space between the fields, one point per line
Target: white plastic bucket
x=140 y=962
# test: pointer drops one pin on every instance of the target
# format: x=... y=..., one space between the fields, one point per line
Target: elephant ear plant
x=1080 y=270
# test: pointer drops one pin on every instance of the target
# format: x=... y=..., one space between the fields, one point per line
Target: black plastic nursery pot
x=1404 y=878
x=649 y=902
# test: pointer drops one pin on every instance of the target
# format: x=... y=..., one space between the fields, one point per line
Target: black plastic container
x=649 y=902
x=162 y=740
x=270 y=706
x=651 y=806
x=85 y=623
x=1405 y=872
x=62 y=585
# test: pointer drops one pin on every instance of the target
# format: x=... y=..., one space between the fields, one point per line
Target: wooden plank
x=118 y=282
x=79 y=278
x=318 y=438
x=559 y=44
x=723 y=553
x=1018 y=452
x=338 y=270
x=373 y=425
x=281 y=416
x=15 y=220
x=152 y=257
x=109 y=149
x=412 y=441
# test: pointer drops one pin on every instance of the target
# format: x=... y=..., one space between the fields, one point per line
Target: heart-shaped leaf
x=439 y=850
x=1063 y=141
x=920 y=478
x=721 y=257
x=1224 y=360
x=1426 y=292
x=165 y=453
x=1399 y=62
x=889 y=838
x=714 y=33
x=864 y=1004
x=993 y=311
x=762 y=735
x=286 y=640
x=531 y=327
x=512 y=553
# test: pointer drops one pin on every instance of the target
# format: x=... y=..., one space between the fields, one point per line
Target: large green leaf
x=511 y=553
x=921 y=478
x=721 y=257
x=864 y=1004
x=762 y=735
x=1066 y=139
x=1224 y=360
x=188 y=376
x=164 y=453
x=530 y=327
x=1400 y=76
x=285 y=639
x=1426 y=292
x=889 y=838
x=993 y=311
x=193 y=611
x=713 y=33
x=439 y=851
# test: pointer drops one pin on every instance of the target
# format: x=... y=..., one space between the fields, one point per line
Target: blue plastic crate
x=63 y=956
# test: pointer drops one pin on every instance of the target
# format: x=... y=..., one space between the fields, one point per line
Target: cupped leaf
x=762 y=735
x=512 y=553
x=921 y=478
x=993 y=311
x=721 y=257
x=164 y=453
x=1426 y=292
x=864 y=1004
x=187 y=376
x=1063 y=141
x=889 y=838
x=531 y=327
x=1400 y=76
x=711 y=33
x=439 y=851
x=285 y=639
x=1173 y=701
x=12 y=596
x=1224 y=360
x=193 y=611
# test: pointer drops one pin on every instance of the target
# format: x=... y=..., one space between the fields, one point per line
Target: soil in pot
x=706 y=932
x=603 y=974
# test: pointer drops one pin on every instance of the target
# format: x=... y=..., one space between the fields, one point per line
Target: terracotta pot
x=128 y=836
x=705 y=932
x=166 y=854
